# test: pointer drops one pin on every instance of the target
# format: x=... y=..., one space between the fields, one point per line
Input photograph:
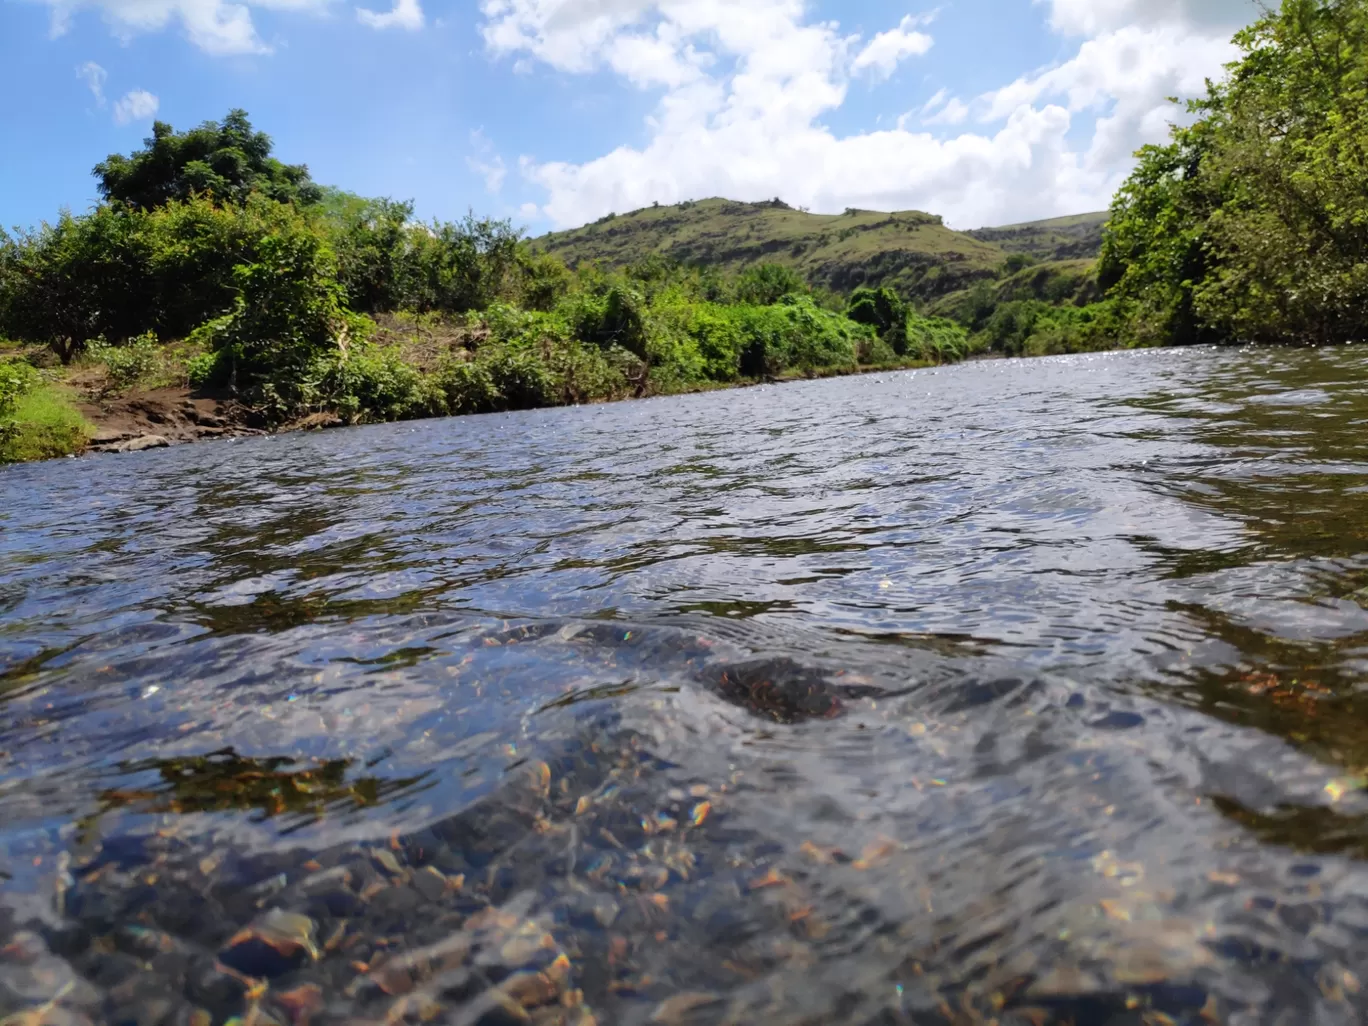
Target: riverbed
x=1016 y=691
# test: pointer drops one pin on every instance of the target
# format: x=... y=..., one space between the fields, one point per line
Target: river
x=1015 y=692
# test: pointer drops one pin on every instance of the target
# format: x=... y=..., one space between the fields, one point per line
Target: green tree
x=66 y=283
x=226 y=160
x=883 y=310
x=1252 y=224
x=766 y=284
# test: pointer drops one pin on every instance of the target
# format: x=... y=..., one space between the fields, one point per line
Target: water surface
x=1027 y=691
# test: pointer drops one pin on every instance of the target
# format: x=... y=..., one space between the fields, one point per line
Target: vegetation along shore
x=217 y=290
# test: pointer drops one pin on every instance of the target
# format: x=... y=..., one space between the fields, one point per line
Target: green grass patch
x=42 y=425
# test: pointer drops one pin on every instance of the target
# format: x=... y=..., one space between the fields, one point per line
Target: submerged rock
x=277 y=943
x=782 y=690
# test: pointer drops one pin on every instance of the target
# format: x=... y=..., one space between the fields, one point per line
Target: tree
x=765 y=284
x=883 y=310
x=1252 y=224
x=225 y=160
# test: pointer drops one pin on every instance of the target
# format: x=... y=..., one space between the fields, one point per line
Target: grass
x=45 y=425
x=1060 y=238
x=908 y=250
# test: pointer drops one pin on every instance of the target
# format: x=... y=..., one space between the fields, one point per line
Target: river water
x=1022 y=691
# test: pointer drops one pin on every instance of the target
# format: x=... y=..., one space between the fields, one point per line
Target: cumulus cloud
x=406 y=14
x=218 y=27
x=136 y=105
x=94 y=77
x=745 y=83
x=1125 y=76
x=889 y=49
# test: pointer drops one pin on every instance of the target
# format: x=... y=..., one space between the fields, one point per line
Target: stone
x=141 y=444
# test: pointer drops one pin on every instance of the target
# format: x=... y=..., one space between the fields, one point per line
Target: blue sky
x=554 y=112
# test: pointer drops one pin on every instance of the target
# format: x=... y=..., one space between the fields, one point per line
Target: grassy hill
x=909 y=250
x=1061 y=238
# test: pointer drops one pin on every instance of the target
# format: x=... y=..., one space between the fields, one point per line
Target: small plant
x=16 y=381
x=127 y=364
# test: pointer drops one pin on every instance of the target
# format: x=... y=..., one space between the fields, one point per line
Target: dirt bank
x=164 y=416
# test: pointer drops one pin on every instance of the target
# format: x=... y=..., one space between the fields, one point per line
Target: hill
x=1061 y=238
x=909 y=250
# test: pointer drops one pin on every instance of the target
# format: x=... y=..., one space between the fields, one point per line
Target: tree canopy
x=1252 y=223
x=226 y=160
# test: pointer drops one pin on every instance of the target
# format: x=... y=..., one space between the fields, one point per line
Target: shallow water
x=1017 y=691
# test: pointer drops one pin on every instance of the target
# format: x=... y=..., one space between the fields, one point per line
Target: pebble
x=431 y=883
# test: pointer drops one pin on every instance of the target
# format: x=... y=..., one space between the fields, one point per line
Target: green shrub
x=367 y=384
x=466 y=387
x=16 y=381
x=884 y=311
x=208 y=370
x=129 y=363
x=288 y=327
x=875 y=352
x=718 y=339
x=520 y=378
x=767 y=284
x=935 y=339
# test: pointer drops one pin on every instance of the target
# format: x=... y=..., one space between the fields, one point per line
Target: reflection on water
x=1018 y=692
x=225 y=782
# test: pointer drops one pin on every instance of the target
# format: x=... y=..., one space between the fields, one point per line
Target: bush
x=367 y=384
x=288 y=326
x=767 y=284
x=884 y=311
x=16 y=381
x=520 y=378
x=794 y=335
x=129 y=363
x=935 y=339
x=466 y=387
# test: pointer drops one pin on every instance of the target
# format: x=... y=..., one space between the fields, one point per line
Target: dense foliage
x=300 y=300
x=226 y=161
x=1252 y=223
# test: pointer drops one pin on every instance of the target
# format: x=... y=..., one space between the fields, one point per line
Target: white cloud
x=136 y=105
x=1092 y=17
x=1125 y=76
x=218 y=27
x=406 y=14
x=745 y=84
x=889 y=49
x=487 y=163
x=94 y=77
x=941 y=109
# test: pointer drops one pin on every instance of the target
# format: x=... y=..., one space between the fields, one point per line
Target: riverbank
x=82 y=409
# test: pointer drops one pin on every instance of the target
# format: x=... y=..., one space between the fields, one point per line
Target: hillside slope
x=909 y=250
x=1061 y=238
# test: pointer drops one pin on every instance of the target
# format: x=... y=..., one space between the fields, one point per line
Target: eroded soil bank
x=163 y=416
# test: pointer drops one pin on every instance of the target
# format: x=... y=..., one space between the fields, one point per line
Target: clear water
x=1027 y=691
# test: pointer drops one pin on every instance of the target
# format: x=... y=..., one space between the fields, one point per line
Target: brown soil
x=172 y=414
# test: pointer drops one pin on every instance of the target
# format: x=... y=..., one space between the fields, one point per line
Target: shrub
x=520 y=378
x=129 y=363
x=935 y=339
x=466 y=387
x=367 y=384
x=766 y=284
x=884 y=311
x=287 y=326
